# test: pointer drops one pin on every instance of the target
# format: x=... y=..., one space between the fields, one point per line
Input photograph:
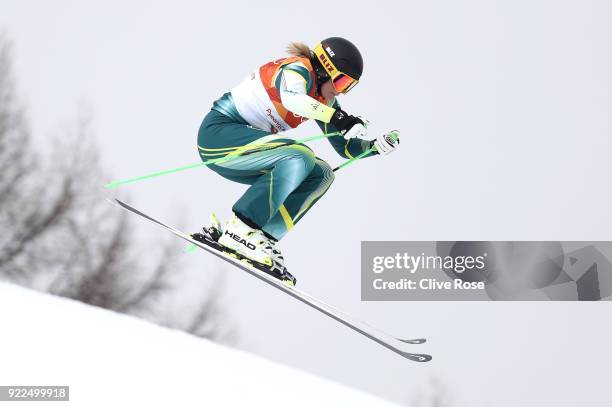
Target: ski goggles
x=342 y=82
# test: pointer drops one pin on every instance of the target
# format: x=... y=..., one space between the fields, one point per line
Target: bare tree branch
x=156 y=284
x=210 y=321
x=36 y=224
x=60 y=235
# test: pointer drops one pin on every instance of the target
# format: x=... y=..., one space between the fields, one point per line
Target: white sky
x=504 y=109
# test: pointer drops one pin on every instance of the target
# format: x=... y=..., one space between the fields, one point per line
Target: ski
x=390 y=342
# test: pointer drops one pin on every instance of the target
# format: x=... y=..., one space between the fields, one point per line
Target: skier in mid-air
x=286 y=178
x=238 y=139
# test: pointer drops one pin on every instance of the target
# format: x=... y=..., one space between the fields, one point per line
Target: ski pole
x=240 y=152
x=352 y=160
x=394 y=136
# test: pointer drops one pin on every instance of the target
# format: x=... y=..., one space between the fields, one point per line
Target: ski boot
x=246 y=244
x=210 y=235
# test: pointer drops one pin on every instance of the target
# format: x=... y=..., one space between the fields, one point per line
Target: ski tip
x=413 y=341
x=118 y=202
x=111 y=185
x=418 y=357
x=112 y=201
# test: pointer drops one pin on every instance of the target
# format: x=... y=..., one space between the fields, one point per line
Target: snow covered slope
x=111 y=359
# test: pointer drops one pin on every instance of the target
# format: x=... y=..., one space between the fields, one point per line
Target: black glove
x=344 y=121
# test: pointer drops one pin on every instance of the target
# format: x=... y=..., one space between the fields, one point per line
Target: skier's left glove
x=386 y=143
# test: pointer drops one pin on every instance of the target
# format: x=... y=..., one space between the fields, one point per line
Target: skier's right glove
x=349 y=126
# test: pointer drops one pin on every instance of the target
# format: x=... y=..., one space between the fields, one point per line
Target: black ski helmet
x=342 y=53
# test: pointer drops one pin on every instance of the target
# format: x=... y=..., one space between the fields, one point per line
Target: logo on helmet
x=329 y=67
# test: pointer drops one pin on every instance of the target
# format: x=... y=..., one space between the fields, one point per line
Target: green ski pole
x=394 y=134
x=116 y=184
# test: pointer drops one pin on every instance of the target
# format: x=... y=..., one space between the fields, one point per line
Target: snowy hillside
x=111 y=359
